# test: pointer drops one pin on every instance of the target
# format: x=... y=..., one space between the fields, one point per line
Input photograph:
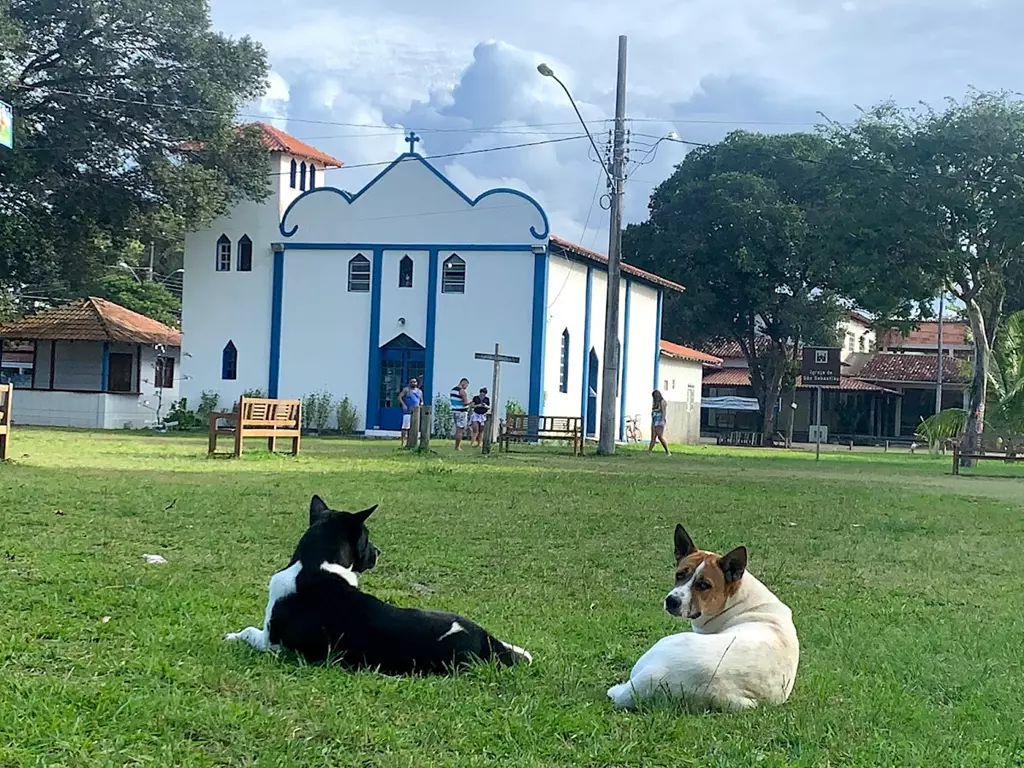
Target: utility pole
x=152 y=248
x=610 y=374
x=938 y=383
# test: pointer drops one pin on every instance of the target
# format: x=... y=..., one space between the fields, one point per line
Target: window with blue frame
x=302 y=176
x=312 y=176
x=294 y=173
x=359 y=274
x=563 y=367
x=245 y=254
x=229 y=362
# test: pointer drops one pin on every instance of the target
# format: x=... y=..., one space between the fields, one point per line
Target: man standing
x=459 y=400
x=409 y=397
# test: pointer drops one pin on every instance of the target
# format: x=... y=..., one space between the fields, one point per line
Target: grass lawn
x=905 y=584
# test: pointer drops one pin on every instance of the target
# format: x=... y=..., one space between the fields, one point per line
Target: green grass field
x=905 y=583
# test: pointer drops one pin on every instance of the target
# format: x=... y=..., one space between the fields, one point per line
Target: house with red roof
x=321 y=289
x=887 y=386
x=681 y=375
x=93 y=363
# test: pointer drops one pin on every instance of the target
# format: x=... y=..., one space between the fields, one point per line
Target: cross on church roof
x=412 y=138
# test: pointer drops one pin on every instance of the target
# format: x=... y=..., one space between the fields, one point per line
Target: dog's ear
x=684 y=544
x=733 y=564
x=317 y=509
x=362 y=516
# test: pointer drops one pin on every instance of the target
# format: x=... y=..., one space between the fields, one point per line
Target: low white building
x=319 y=289
x=95 y=364
x=681 y=376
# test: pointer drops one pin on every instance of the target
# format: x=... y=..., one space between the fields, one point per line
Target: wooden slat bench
x=259 y=417
x=6 y=400
x=1009 y=457
x=519 y=427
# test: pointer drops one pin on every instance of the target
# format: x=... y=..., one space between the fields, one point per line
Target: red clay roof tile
x=628 y=269
x=91 y=319
x=687 y=353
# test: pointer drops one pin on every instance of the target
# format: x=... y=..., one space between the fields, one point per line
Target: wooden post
x=412 y=441
x=497 y=358
x=425 y=424
x=486 y=445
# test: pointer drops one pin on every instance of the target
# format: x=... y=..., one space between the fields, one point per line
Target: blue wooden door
x=400 y=360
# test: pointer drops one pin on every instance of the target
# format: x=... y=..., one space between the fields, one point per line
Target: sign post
x=820 y=368
x=497 y=358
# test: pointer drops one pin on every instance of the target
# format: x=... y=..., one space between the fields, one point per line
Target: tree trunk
x=975 y=424
x=792 y=416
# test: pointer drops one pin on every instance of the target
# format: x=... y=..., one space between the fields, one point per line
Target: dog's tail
x=507 y=654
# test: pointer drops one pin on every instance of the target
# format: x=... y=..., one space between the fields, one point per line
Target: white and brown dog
x=743 y=650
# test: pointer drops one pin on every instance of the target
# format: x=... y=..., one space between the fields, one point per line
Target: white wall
x=91 y=410
x=680 y=383
x=218 y=307
x=644 y=343
x=410 y=204
x=567 y=293
x=567 y=283
x=497 y=307
x=409 y=303
x=324 y=328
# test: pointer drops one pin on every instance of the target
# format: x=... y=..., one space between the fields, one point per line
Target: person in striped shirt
x=459 y=400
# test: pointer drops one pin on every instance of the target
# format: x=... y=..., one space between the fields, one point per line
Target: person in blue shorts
x=409 y=398
x=658 y=406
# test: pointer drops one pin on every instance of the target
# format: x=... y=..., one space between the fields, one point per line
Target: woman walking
x=658 y=421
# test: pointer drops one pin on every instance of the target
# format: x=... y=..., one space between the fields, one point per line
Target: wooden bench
x=6 y=399
x=259 y=417
x=519 y=427
x=1008 y=456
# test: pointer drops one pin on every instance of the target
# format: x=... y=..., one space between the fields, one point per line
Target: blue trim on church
x=624 y=362
x=586 y=343
x=373 y=356
x=276 y=310
x=432 y=288
x=406 y=246
x=538 y=332
x=472 y=202
x=657 y=342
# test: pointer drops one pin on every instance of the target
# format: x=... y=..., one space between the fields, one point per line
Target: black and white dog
x=317 y=610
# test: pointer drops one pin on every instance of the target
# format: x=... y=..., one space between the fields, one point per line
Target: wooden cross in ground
x=497 y=358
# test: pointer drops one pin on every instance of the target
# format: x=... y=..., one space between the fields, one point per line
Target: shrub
x=444 y=425
x=513 y=406
x=185 y=419
x=316 y=411
x=348 y=417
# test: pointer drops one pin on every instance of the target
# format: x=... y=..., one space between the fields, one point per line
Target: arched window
x=359 y=274
x=229 y=362
x=302 y=176
x=223 y=254
x=453 y=276
x=295 y=169
x=563 y=366
x=312 y=176
x=245 y=254
x=405 y=272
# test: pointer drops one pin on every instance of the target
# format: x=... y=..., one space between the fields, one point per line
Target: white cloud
x=463 y=75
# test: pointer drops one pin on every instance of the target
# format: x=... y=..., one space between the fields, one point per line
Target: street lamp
x=616 y=179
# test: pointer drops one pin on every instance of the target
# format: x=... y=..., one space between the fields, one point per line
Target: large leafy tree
x=123 y=131
x=746 y=226
x=151 y=299
x=944 y=191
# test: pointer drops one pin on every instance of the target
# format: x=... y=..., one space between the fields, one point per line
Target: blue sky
x=463 y=75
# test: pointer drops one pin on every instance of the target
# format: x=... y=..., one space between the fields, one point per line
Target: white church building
x=321 y=289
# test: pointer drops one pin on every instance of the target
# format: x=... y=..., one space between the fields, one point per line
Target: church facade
x=318 y=289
